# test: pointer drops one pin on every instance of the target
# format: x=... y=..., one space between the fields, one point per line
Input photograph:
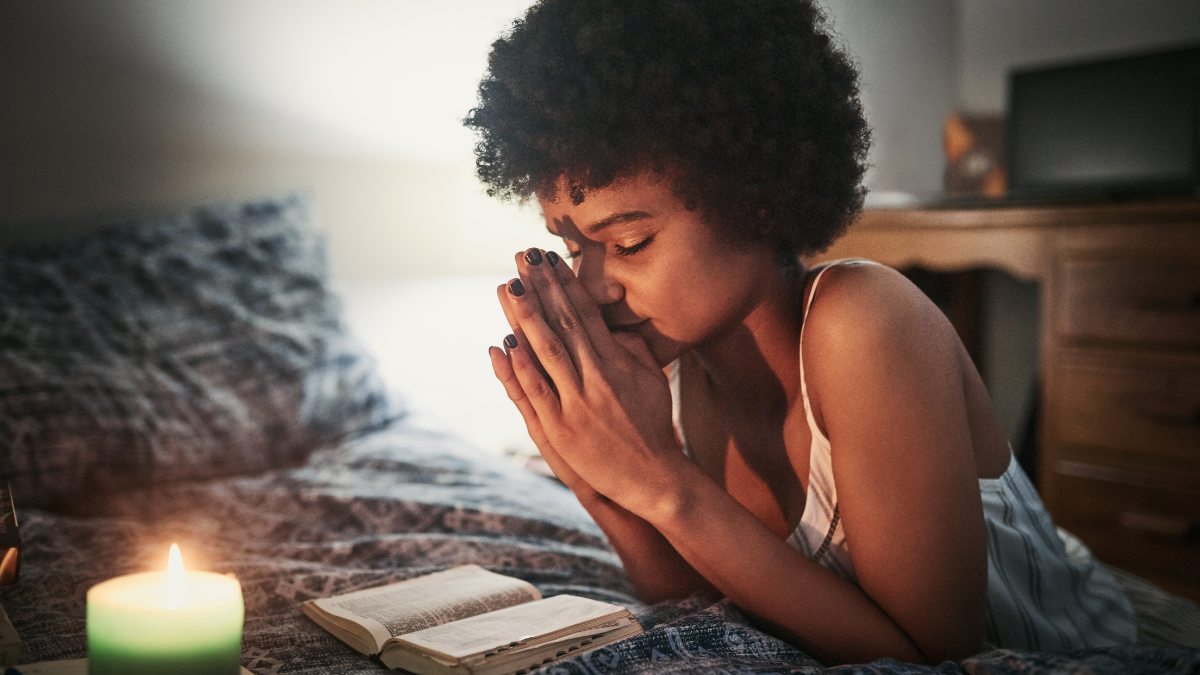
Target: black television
x=1114 y=129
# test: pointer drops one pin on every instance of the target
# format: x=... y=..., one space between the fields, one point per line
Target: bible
x=469 y=620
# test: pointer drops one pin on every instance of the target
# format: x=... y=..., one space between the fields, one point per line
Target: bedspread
x=396 y=504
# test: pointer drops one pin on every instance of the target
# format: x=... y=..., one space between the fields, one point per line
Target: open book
x=469 y=620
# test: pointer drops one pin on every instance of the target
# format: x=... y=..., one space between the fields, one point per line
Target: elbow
x=952 y=647
x=654 y=593
x=952 y=637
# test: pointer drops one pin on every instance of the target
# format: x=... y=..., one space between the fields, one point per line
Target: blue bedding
x=398 y=503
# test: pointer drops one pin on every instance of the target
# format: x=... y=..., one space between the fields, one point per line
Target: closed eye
x=630 y=250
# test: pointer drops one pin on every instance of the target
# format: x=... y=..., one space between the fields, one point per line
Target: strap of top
x=812 y=293
x=673 y=368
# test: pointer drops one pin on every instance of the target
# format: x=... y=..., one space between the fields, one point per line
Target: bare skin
x=907 y=416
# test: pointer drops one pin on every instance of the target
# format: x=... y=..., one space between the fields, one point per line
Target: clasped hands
x=602 y=420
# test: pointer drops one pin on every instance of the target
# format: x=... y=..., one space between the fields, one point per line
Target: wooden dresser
x=1120 y=359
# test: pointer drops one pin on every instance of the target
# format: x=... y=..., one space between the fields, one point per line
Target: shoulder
x=888 y=383
x=869 y=324
x=866 y=301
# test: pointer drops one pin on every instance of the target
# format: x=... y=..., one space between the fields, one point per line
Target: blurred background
x=113 y=107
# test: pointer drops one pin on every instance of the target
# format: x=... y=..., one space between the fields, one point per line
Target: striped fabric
x=1163 y=620
x=1045 y=590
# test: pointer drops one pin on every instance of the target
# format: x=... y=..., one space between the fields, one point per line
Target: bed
x=188 y=379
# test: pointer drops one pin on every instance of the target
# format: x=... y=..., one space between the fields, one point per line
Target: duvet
x=394 y=504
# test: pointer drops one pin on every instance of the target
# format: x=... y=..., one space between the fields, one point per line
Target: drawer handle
x=1171 y=527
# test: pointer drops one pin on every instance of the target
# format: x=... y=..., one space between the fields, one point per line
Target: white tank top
x=1045 y=590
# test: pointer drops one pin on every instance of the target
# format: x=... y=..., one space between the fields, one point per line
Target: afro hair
x=747 y=105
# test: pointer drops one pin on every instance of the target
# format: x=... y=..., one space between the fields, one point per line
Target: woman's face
x=655 y=268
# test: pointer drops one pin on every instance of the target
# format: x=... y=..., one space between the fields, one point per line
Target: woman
x=815 y=445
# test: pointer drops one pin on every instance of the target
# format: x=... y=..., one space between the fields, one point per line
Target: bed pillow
x=186 y=347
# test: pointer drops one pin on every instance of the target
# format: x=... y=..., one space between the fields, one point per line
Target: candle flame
x=176 y=588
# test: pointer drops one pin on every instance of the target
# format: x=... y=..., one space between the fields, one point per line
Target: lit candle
x=177 y=622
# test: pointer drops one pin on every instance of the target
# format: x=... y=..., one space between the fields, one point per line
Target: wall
x=906 y=52
x=113 y=104
x=126 y=103
x=995 y=37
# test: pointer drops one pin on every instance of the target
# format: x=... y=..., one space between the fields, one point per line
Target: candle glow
x=176 y=586
x=179 y=622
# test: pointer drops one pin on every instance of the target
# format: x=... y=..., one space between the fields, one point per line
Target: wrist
x=588 y=496
x=669 y=499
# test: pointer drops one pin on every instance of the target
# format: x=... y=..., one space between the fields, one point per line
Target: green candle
x=177 y=622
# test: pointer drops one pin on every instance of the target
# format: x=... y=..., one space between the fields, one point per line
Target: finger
x=502 y=366
x=506 y=304
x=543 y=399
x=557 y=309
x=636 y=346
x=502 y=295
x=541 y=342
x=589 y=312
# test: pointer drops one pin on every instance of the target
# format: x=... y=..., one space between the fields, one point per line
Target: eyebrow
x=615 y=219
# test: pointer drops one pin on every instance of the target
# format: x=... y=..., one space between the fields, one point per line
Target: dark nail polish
x=511 y=342
x=533 y=257
x=553 y=258
x=516 y=287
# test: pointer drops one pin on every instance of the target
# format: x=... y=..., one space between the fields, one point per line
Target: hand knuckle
x=555 y=351
x=526 y=310
x=542 y=389
x=568 y=321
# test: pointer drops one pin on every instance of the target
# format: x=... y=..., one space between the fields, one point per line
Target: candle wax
x=133 y=629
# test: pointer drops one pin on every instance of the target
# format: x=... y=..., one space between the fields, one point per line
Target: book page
x=471 y=636
x=428 y=601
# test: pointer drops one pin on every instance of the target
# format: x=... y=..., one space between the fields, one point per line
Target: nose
x=601 y=286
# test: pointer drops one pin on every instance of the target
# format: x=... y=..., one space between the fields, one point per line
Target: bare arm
x=903 y=462
x=653 y=565
x=888 y=369
x=876 y=349
x=799 y=601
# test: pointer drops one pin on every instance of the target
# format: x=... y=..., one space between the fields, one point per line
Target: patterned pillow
x=182 y=348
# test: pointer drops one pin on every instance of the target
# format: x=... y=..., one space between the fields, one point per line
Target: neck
x=755 y=366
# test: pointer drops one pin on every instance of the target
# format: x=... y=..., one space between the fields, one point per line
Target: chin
x=663 y=349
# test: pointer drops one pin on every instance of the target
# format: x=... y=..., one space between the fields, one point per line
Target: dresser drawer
x=1143 y=406
x=1150 y=531
x=1151 y=302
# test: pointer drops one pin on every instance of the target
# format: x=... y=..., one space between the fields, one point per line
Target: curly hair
x=748 y=106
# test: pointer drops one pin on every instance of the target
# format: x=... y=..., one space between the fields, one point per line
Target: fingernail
x=533 y=257
x=516 y=287
x=553 y=258
x=511 y=341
